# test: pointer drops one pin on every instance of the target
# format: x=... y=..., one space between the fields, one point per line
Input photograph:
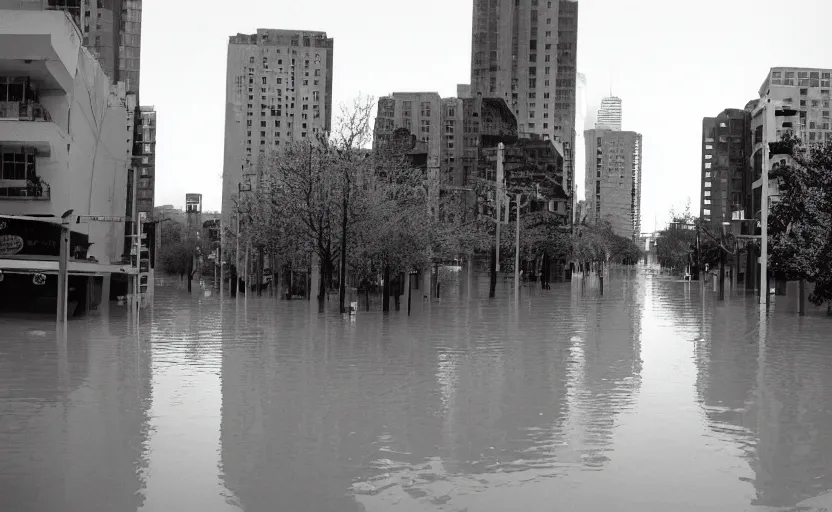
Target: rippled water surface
x=653 y=397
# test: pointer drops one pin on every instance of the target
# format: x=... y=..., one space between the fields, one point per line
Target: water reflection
x=73 y=416
x=652 y=396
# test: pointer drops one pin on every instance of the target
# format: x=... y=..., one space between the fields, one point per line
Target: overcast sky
x=671 y=62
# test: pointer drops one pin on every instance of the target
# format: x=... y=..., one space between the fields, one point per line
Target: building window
x=18 y=165
x=804 y=92
x=426 y=110
x=425 y=126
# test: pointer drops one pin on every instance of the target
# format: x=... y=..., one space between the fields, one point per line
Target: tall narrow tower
x=525 y=52
x=609 y=115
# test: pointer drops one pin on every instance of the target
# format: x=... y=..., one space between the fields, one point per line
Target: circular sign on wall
x=10 y=245
x=39 y=279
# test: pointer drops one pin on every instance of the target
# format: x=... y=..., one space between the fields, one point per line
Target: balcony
x=23 y=190
x=23 y=111
x=44 y=45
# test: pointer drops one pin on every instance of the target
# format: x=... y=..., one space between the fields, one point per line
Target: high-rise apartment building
x=806 y=92
x=613 y=180
x=726 y=177
x=525 y=52
x=452 y=128
x=791 y=100
x=278 y=91
x=144 y=156
x=609 y=115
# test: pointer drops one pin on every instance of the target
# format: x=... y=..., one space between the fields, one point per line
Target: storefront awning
x=50 y=266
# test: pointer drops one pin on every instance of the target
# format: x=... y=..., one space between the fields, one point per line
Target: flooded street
x=653 y=397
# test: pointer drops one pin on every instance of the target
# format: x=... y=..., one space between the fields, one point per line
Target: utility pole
x=219 y=257
x=498 y=217
x=768 y=127
x=722 y=261
x=63 y=270
x=499 y=196
x=137 y=230
x=237 y=251
x=517 y=252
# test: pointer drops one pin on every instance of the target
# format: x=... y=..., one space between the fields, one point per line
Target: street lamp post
x=768 y=127
x=63 y=269
x=722 y=260
x=517 y=253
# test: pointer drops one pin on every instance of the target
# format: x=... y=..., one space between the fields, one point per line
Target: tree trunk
x=322 y=269
x=259 y=277
x=398 y=292
x=367 y=296
x=190 y=274
x=342 y=292
x=385 y=299
x=492 y=288
x=289 y=275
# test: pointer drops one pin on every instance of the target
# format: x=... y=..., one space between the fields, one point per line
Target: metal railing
x=27 y=193
x=23 y=111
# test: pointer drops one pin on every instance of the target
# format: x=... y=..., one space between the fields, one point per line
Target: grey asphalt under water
x=653 y=397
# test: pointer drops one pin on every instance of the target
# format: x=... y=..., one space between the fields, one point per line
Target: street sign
x=100 y=218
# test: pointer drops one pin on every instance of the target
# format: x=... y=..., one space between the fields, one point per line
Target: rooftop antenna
x=610 y=80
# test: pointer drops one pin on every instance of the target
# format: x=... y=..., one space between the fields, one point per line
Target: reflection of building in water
x=74 y=422
x=605 y=369
x=774 y=404
x=294 y=428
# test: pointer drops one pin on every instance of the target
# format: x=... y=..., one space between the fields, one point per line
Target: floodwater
x=654 y=397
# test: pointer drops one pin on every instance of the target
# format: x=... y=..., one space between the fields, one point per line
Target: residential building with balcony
x=791 y=100
x=726 y=176
x=64 y=145
x=525 y=52
x=278 y=91
x=613 y=180
x=110 y=29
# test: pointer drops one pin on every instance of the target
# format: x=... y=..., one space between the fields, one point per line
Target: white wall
x=87 y=167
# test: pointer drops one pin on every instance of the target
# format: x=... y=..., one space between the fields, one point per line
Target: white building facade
x=65 y=136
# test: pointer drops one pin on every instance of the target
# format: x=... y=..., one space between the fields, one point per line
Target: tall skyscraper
x=278 y=90
x=609 y=115
x=613 y=180
x=525 y=52
x=580 y=143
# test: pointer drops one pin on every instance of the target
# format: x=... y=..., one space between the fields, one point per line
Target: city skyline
x=362 y=65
